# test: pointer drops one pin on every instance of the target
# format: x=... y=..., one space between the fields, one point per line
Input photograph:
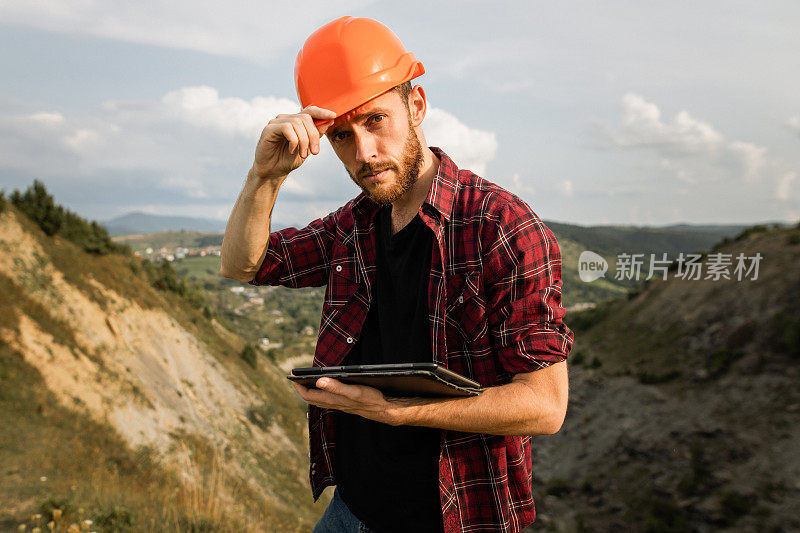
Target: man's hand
x=360 y=400
x=533 y=403
x=287 y=140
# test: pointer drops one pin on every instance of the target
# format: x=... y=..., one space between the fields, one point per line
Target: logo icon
x=591 y=266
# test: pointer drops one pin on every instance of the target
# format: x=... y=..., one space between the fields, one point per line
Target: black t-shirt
x=388 y=476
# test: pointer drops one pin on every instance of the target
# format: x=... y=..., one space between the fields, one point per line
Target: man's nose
x=366 y=147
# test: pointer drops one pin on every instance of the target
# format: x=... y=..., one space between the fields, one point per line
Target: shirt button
x=338 y=268
x=309 y=455
x=307 y=415
x=461 y=299
x=349 y=340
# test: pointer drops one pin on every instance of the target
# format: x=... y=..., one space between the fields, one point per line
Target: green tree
x=39 y=206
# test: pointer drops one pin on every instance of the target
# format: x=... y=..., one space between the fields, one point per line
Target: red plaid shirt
x=494 y=300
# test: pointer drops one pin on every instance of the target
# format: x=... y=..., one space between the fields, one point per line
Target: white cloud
x=682 y=174
x=82 y=140
x=202 y=107
x=47 y=119
x=520 y=186
x=782 y=191
x=752 y=157
x=794 y=124
x=249 y=30
x=196 y=145
x=470 y=148
x=642 y=126
x=686 y=146
x=190 y=141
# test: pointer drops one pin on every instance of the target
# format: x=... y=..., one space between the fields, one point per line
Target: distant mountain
x=137 y=222
x=645 y=239
x=609 y=241
x=715 y=228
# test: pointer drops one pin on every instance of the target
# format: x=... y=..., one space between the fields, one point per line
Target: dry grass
x=57 y=463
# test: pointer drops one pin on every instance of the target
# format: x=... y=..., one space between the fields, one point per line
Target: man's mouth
x=374 y=178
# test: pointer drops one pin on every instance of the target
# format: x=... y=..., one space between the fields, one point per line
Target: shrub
x=697 y=480
x=657 y=513
x=2 y=201
x=648 y=378
x=115 y=518
x=209 y=240
x=557 y=487
x=725 y=241
x=721 y=360
x=585 y=320
x=260 y=415
x=164 y=277
x=735 y=505
x=62 y=506
x=787 y=334
x=577 y=357
x=752 y=230
x=250 y=355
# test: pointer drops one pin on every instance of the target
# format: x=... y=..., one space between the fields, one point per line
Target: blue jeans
x=337 y=518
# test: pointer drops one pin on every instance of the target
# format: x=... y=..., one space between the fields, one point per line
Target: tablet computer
x=394 y=379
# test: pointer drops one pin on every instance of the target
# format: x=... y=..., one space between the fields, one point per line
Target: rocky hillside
x=124 y=405
x=684 y=405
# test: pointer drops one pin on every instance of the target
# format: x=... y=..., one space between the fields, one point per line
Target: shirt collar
x=440 y=199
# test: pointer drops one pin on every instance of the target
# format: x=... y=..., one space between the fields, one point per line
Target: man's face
x=379 y=147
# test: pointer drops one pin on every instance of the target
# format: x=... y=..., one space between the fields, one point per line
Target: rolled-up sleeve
x=522 y=273
x=299 y=257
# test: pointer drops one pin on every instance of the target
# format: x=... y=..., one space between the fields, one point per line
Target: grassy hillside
x=130 y=405
x=684 y=408
x=170 y=239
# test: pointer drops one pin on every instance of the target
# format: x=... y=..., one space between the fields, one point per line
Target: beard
x=407 y=173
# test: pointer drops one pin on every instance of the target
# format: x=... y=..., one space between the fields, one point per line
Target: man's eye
x=377 y=118
x=340 y=136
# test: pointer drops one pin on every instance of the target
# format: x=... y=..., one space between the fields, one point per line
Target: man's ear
x=417 y=105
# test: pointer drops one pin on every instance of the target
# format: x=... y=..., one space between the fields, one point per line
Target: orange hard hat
x=350 y=61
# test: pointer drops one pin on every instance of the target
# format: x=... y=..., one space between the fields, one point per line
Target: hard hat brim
x=406 y=69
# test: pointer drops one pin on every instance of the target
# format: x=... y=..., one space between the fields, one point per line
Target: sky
x=642 y=113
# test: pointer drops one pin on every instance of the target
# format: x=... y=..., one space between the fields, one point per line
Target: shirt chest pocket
x=465 y=311
x=343 y=280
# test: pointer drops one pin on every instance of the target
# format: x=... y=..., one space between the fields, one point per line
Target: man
x=428 y=263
